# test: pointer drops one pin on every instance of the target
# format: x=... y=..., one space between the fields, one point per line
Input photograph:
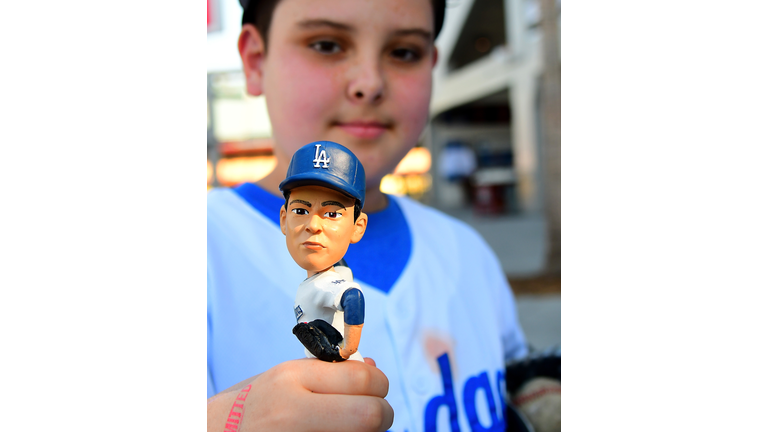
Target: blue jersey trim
x=261 y=200
x=378 y=259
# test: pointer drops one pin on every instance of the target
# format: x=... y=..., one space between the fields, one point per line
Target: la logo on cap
x=320 y=157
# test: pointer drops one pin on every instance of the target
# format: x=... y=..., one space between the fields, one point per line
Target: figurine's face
x=319 y=226
x=350 y=71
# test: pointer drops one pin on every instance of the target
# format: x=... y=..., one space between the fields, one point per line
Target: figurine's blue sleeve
x=353 y=305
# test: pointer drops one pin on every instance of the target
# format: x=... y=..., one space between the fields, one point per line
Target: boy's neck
x=271 y=183
x=375 y=201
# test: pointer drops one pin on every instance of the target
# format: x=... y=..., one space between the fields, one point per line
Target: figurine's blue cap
x=326 y=163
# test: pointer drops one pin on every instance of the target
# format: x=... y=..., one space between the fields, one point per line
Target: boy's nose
x=367 y=83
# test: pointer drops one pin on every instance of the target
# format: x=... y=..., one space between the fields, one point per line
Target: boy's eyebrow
x=306 y=203
x=336 y=203
x=424 y=34
x=315 y=23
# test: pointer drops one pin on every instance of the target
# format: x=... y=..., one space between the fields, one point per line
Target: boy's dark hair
x=358 y=209
x=259 y=13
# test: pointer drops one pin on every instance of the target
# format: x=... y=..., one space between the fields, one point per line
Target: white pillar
x=514 y=23
x=522 y=96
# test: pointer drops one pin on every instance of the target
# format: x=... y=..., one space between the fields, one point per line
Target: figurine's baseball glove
x=321 y=339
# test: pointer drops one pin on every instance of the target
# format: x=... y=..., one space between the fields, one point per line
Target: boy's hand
x=306 y=394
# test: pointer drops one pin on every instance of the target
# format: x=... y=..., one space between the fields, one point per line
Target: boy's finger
x=369 y=361
x=347 y=413
x=348 y=378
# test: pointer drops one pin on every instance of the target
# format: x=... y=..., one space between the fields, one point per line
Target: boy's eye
x=332 y=215
x=406 y=54
x=326 y=47
x=300 y=211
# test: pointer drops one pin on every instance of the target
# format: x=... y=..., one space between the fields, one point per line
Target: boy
x=440 y=318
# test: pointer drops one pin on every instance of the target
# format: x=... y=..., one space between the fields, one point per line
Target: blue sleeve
x=353 y=305
x=211 y=386
x=211 y=390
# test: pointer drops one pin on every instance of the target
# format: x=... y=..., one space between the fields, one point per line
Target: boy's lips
x=363 y=129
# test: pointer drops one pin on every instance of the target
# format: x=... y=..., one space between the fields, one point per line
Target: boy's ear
x=360 y=224
x=434 y=57
x=283 y=213
x=251 y=47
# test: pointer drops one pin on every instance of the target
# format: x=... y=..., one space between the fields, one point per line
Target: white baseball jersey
x=440 y=318
x=319 y=297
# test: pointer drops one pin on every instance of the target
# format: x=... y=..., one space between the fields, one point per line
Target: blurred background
x=489 y=156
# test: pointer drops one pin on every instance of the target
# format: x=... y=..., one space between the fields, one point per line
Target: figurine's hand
x=351 y=340
x=344 y=352
x=307 y=394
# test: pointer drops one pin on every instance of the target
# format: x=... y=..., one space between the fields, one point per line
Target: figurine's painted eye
x=332 y=215
x=300 y=211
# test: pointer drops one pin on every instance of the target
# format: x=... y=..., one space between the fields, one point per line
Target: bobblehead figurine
x=324 y=192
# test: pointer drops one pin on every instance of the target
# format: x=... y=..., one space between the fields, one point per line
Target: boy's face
x=319 y=226
x=356 y=72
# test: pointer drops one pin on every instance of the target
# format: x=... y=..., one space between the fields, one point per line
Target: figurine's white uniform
x=441 y=329
x=319 y=297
